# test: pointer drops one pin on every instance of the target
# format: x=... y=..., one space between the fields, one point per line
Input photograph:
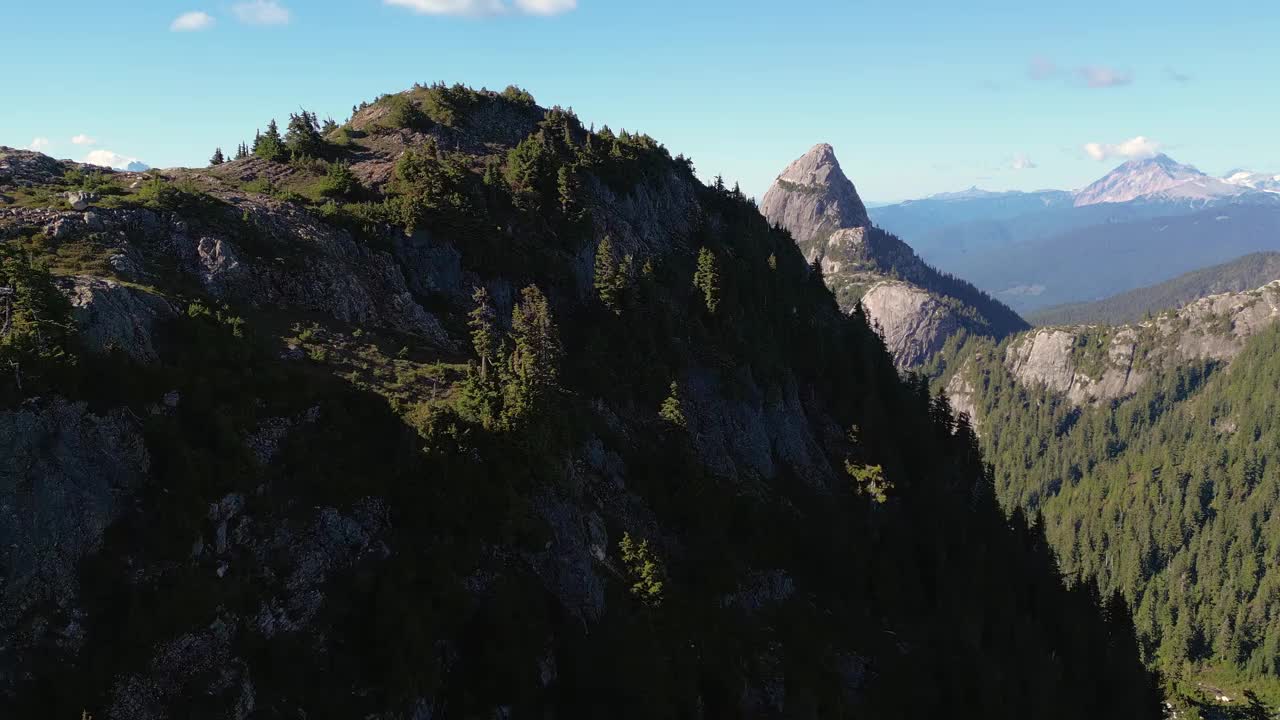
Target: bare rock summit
x=914 y=307
x=813 y=197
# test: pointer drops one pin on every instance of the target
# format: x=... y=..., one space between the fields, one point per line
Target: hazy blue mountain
x=1096 y=261
x=1244 y=273
x=1144 y=222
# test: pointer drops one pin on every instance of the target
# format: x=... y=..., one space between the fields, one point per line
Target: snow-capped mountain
x=1265 y=182
x=1157 y=178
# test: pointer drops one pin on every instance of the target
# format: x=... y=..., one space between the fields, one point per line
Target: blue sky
x=917 y=97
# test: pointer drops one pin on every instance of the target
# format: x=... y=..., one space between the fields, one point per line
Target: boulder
x=114 y=316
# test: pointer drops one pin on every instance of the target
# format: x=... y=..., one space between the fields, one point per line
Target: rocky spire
x=813 y=196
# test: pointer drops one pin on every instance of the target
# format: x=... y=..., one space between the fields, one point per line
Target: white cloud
x=83 y=139
x=546 y=7
x=38 y=144
x=1022 y=162
x=107 y=158
x=481 y=8
x=1101 y=76
x=192 y=21
x=1136 y=148
x=451 y=7
x=261 y=12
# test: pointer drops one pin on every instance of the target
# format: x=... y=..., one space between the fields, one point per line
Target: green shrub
x=405 y=113
x=339 y=182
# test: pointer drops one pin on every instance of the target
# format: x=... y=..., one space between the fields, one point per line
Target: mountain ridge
x=916 y=307
x=1243 y=273
x=471 y=411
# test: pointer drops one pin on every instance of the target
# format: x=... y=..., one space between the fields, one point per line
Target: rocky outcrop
x=915 y=306
x=757 y=435
x=238 y=255
x=25 y=168
x=65 y=475
x=112 y=316
x=961 y=392
x=1090 y=364
x=813 y=197
x=913 y=323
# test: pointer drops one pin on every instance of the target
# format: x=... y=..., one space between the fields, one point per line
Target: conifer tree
x=217 y=158
x=303 y=136
x=611 y=278
x=672 y=409
x=483 y=321
x=569 y=187
x=534 y=362
x=707 y=279
x=269 y=145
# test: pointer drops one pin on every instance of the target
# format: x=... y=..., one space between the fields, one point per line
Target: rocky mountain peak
x=813 y=197
x=1156 y=177
x=915 y=307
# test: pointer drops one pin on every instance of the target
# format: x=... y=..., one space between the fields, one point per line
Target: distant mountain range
x=1144 y=222
x=1244 y=273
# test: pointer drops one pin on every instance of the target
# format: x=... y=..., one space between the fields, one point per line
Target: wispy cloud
x=1135 y=148
x=546 y=7
x=192 y=21
x=1021 y=161
x=261 y=12
x=1101 y=76
x=1042 y=69
x=83 y=139
x=1176 y=76
x=39 y=144
x=485 y=8
x=107 y=158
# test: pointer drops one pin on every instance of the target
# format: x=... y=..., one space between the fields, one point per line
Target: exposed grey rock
x=431 y=265
x=24 y=168
x=65 y=475
x=204 y=659
x=568 y=565
x=110 y=315
x=1100 y=364
x=813 y=197
x=330 y=542
x=80 y=200
x=961 y=393
x=744 y=439
x=297 y=262
x=914 y=323
x=264 y=442
x=915 y=307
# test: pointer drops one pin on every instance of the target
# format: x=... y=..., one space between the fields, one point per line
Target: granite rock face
x=1091 y=364
x=914 y=323
x=112 y=316
x=65 y=475
x=813 y=197
x=915 y=307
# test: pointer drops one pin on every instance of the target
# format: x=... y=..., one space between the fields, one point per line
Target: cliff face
x=1096 y=364
x=1100 y=364
x=915 y=307
x=915 y=324
x=813 y=197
